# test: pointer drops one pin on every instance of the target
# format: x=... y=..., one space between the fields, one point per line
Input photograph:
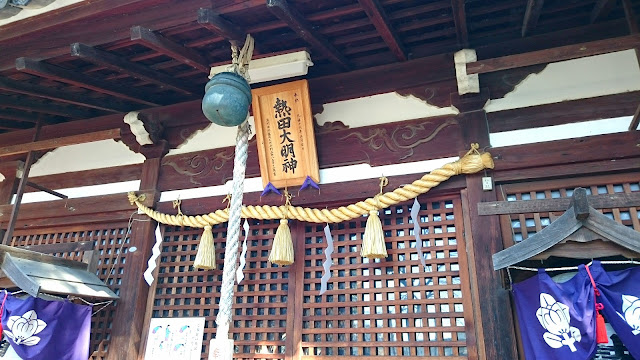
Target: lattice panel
x=393 y=307
x=111 y=242
x=260 y=309
x=520 y=226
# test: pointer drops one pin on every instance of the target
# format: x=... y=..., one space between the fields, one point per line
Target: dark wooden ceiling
x=122 y=55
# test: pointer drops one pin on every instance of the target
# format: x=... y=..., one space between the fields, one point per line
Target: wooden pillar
x=491 y=302
x=8 y=187
x=128 y=323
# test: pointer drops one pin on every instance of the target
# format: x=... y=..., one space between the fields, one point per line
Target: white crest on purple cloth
x=22 y=329
x=554 y=317
x=631 y=310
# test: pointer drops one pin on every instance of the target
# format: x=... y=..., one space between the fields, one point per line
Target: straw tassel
x=282 y=248
x=206 y=256
x=373 y=246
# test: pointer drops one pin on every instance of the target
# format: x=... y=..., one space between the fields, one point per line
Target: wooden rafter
x=219 y=26
x=531 y=16
x=132 y=69
x=169 y=48
x=601 y=9
x=378 y=17
x=53 y=109
x=630 y=16
x=20 y=116
x=460 y=21
x=635 y=121
x=25 y=88
x=53 y=72
x=281 y=9
x=10 y=125
x=554 y=55
x=58 y=142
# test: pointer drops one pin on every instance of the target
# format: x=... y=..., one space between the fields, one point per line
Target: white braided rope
x=223 y=318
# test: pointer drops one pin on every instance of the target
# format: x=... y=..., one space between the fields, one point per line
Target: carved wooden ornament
x=284 y=130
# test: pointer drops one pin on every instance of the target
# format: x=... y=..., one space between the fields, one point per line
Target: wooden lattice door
x=388 y=308
x=111 y=241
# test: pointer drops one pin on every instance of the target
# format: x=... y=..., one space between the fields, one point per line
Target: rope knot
x=133 y=198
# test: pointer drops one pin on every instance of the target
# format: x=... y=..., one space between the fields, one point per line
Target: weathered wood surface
x=595 y=108
x=604 y=201
x=169 y=48
x=609 y=147
x=61 y=248
x=35 y=277
x=564 y=226
x=414 y=140
x=297 y=22
x=554 y=54
x=88 y=177
x=379 y=18
x=100 y=206
x=579 y=215
x=63 y=141
x=17 y=277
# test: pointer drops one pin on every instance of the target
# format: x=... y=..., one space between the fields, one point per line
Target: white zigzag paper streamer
x=151 y=264
x=415 y=209
x=327 y=263
x=243 y=256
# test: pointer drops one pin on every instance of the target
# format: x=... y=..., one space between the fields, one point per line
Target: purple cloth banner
x=557 y=320
x=45 y=330
x=620 y=295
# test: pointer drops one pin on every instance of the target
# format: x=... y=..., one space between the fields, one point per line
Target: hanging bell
x=226 y=100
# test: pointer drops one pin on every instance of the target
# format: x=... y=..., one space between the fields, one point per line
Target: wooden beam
x=460 y=21
x=554 y=55
x=635 y=121
x=10 y=125
x=630 y=16
x=221 y=27
x=601 y=9
x=58 y=142
x=111 y=26
x=169 y=48
x=531 y=15
x=25 y=88
x=132 y=69
x=34 y=214
x=53 y=72
x=40 y=107
x=378 y=17
x=18 y=116
x=297 y=22
x=606 y=201
x=566 y=112
x=569 y=151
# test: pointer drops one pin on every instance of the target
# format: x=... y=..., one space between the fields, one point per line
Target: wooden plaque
x=284 y=130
